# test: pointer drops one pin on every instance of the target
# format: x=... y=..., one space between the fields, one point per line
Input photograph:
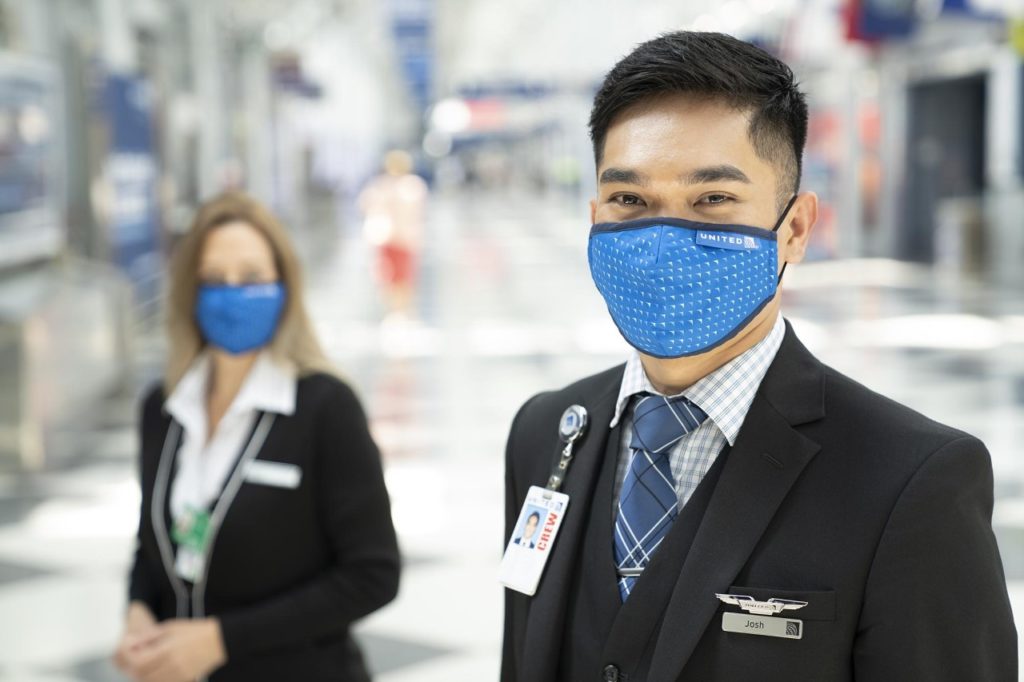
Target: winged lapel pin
x=771 y=607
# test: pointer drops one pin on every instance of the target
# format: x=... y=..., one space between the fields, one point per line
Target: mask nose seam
x=661 y=244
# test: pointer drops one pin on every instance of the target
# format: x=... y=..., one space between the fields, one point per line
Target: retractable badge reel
x=542 y=513
x=570 y=429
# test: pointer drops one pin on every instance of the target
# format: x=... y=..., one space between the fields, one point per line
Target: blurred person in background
x=393 y=206
x=265 y=529
x=738 y=510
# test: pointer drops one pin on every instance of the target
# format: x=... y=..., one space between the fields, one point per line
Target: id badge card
x=191 y=533
x=532 y=539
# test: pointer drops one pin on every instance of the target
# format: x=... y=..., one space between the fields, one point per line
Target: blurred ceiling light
x=1013 y=325
x=105 y=517
x=33 y=125
x=496 y=338
x=184 y=113
x=437 y=144
x=733 y=17
x=451 y=116
x=939 y=331
x=417 y=506
x=598 y=336
x=862 y=272
x=1008 y=512
x=401 y=339
x=276 y=35
x=707 y=22
x=1013 y=8
x=869 y=83
x=762 y=6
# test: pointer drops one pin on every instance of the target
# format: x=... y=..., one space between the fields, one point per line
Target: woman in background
x=394 y=206
x=266 y=528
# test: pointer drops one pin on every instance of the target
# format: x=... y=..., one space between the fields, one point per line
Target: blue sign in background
x=896 y=19
x=132 y=174
x=412 y=25
x=30 y=177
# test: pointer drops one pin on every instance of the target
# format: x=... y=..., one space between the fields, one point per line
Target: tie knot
x=659 y=422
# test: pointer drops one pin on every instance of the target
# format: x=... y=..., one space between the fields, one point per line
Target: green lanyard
x=192 y=530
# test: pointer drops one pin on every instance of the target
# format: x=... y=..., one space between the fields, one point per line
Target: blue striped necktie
x=647 y=501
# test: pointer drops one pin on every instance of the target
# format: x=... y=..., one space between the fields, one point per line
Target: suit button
x=611 y=673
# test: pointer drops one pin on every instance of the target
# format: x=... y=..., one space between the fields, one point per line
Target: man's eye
x=715 y=199
x=628 y=200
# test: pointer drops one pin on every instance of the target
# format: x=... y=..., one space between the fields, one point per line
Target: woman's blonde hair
x=294 y=342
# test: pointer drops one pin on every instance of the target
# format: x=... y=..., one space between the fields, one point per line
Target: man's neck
x=674 y=375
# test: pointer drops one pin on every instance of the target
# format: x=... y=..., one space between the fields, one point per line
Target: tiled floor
x=507 y=309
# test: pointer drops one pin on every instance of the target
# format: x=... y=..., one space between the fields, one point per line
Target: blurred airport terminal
x=118 y=117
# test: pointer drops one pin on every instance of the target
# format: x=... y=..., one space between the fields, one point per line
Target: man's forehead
x=686 y=138
x=684 y=106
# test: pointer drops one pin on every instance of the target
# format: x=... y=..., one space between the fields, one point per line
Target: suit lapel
x=546 y=617
x=767 y=459
x=599 y=548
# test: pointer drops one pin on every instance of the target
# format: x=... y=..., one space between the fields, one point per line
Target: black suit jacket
x=290 y=569
x=876 y=516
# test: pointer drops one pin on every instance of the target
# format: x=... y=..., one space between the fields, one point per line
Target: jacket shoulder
x=882 y=424
x=316 y=389
x=153 y=398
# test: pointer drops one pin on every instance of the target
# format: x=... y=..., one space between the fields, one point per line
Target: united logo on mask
x=724 y=240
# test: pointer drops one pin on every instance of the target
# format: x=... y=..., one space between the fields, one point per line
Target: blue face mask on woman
x=240 y=318
x=678 y=287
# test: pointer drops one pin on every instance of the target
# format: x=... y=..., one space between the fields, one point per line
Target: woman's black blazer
x=289 y=569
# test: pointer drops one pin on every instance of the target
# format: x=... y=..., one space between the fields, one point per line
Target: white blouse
x=203 y=462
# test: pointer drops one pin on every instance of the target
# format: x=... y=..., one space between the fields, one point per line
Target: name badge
x=532 y=539
x=191 y=532
x=274 y=474
x=766 y=626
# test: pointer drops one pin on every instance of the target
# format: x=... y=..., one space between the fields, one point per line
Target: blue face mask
x=678 y=287
x=239 y=319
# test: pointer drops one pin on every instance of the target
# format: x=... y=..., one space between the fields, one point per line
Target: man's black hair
x=532 y=515
x=713 y=66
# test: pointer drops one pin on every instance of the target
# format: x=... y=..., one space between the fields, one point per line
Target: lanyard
x=570 y=428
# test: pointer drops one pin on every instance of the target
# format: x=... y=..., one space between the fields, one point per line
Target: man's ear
x=796 y=231
x=593 y=211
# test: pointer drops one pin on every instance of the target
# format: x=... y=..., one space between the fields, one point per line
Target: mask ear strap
x=778 y=224
x=785 y=212
x=779 y=280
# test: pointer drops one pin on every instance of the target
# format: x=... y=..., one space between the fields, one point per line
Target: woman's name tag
x=532 y=539
x=273 y=474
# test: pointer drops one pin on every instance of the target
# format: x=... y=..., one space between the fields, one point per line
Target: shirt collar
x=269 y=387
x=725 y=394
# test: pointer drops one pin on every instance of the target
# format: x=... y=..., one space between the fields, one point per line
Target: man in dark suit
x=739 y=510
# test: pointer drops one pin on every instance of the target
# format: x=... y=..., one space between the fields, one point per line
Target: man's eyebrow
x=625 y=176
x=725 y=172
